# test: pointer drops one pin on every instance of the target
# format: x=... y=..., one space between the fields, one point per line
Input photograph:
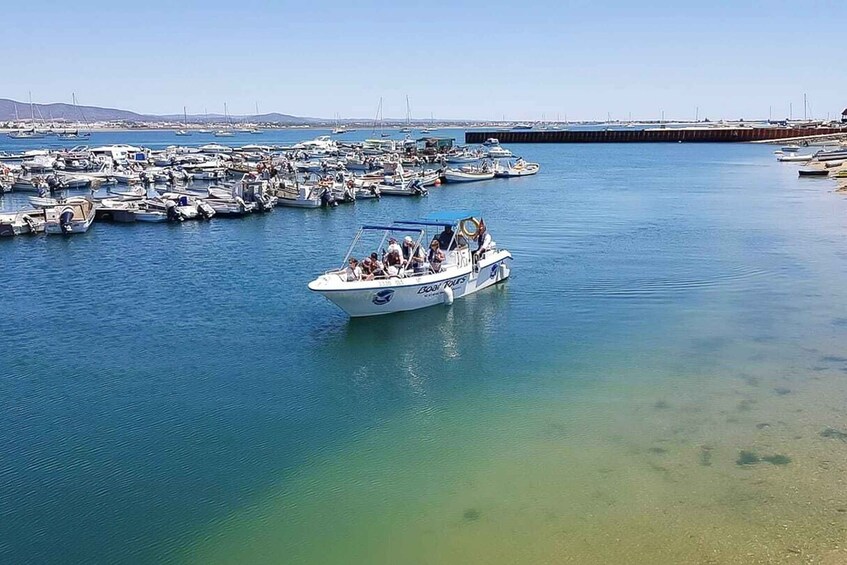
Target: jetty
x=654 y=135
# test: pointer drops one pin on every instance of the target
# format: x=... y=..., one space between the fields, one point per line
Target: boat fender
x=447 y=295
x=463 y=228
x=504 y=271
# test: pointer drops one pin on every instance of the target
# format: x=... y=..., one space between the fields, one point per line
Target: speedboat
x=182 y=132
x=75 y=215
x=491 y=141
x=404 y=287
x=520 y=169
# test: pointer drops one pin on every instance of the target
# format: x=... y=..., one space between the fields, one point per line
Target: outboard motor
x=418 y=188
x=65 y=219
x=172 y=213
x=205 y=210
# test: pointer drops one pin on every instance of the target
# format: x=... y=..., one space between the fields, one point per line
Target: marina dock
x=652 y=135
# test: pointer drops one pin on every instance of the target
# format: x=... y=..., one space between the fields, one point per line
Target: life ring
x=463 y=228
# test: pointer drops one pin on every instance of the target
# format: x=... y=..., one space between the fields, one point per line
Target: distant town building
x=844 y=116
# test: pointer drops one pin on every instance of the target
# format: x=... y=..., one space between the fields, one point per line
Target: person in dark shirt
x=445 y=239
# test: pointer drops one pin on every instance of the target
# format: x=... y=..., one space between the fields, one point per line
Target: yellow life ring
x=463 y=228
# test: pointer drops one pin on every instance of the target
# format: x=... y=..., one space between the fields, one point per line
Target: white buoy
x=448 y=295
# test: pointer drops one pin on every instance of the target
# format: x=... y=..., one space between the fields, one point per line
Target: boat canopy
x=452 y=216
x=391 y=228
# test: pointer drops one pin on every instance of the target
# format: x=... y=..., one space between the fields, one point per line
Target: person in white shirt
x=353 y=272
x=394 y=246
x=483 y=241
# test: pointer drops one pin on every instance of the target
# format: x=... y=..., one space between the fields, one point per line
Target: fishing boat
x=519 y=169
x=412 y=284
x=469 y=174
x=75 y=215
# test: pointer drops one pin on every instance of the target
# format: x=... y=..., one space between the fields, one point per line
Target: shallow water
x=174 y=392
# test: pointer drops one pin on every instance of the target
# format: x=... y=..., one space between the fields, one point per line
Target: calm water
x=175 y=393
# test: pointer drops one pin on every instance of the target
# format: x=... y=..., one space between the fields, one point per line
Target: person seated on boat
x=435 y=257
x=408 y=248
x=367 y=269
x=353 y=272
x=445 y=239
x=483 y=241
x=378 y=266
x=393 y=263
x=394 y=246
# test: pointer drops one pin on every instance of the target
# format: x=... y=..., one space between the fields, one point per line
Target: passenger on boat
x=367 y=269
x=408 y=248
x=378 y=266
x=435 y=256
x=393 y=262
x=483 y=241
x=353 y=272
x=445 y=239
x=394 y=246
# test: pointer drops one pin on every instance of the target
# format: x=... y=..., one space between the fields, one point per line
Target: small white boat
x=224 y=133
x=497 y=152
x=491 y=141
x=468 y=174
x=22 y=222
x=404 y=287
x=414 y=187
x=72 y=216
x=153 y=216
x=790 y=149
x=792 y=158
x=305 y=196
x=182 y=133
x=520 y=169
x=460 y=158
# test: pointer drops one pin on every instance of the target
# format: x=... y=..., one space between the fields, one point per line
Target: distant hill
x=60 y=111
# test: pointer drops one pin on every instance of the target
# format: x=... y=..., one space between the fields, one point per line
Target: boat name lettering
x=429 y=289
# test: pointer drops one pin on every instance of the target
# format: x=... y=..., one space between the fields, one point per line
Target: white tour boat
x=472 y=261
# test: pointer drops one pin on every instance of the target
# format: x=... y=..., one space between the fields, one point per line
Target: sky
x=481 y=60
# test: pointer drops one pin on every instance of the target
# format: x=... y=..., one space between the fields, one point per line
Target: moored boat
x=73 y=216
x=519 y=169
x=469 y=174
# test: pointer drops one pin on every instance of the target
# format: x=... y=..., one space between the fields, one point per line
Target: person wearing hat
x=394 y=246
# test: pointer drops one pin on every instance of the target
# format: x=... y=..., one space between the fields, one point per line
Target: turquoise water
x=175 y=393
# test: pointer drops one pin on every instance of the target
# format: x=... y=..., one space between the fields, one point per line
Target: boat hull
x=377 y=298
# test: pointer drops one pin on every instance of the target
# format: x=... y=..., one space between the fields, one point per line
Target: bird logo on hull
x=383 y=297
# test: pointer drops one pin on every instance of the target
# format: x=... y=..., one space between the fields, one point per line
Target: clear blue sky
x=460 y=59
